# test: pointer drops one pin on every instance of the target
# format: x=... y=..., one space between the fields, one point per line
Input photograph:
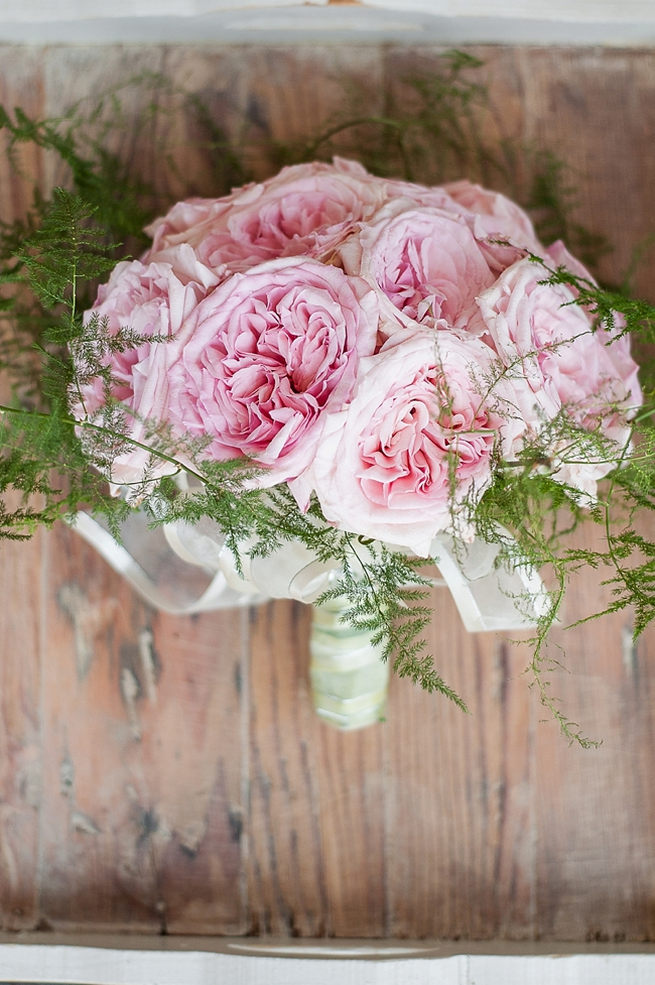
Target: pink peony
x=263 y=357
x=501 y=228
x=495 y=217
x=425 y=197
x=425 y=261
x=558 y=363
x=415 y=442
x=147 y=300
x=617 y=345
x=305 y=210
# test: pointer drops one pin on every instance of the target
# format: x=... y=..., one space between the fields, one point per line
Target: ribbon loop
x=189 y=568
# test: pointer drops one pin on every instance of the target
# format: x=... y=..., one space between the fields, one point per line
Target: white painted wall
x=610 y=22
x=349 y=965
x=61 y=10
x=566 y=10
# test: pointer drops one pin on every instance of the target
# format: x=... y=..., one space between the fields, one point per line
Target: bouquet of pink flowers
x=383 y=348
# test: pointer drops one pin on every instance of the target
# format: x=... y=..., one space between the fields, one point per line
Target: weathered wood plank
x=461 y=846
x=98 y=852
x=22 y=85
x=595 y=110
x=142 y=769
x=296 y=92
x=285 y=865
x=21 y=581
x=101 y=83
x=354 y=817
x=596 y=808
x=317 y=798
x=196 y=759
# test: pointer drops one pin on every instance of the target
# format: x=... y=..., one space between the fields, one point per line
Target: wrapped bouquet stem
x=349 y=675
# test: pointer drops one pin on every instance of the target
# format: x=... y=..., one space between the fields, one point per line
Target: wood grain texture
x=22 y=578
x=462 y=844
x=168 y=774
x=608 y=98
x=21 y=769
x=142 y=768
x=21 y=84
x=286 y=865
x=598 y=860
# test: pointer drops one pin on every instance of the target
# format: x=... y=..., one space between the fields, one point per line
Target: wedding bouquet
x=383 y=348
x=369 y=368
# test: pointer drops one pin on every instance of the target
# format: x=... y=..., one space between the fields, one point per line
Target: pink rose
x=494 y=217
x=147 y=300
x=503 y=230
x=304 y=210
x=558 y=363
x=189 y=221
x=411 y=454
x=557 y=255
x=433 y=197
x=617 y=345
x=426 y=262
x=264 y=355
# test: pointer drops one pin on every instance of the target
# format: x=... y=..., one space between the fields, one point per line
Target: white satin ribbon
x=489 y=595
x=216 y=595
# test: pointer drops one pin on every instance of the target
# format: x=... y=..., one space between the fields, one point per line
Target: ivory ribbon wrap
x=488 y=597
x=181 y=568
x=349 y=678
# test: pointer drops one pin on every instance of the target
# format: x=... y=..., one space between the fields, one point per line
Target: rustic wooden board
x=168 y=774
x=22 y=577
x=590 y=857
x=463 y=817
x=142 y=764
x=21 y=771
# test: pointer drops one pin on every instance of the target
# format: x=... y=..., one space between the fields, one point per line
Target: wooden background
x=162 y=774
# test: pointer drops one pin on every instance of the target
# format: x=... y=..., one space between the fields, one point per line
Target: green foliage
x=62 y=251
x=428 y=132
x=54 y=260
x=388 y=584
x=96 y=176
x=553 y=201
x=541 y=514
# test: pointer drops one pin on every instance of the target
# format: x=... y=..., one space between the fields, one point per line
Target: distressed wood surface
x=162 y=774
